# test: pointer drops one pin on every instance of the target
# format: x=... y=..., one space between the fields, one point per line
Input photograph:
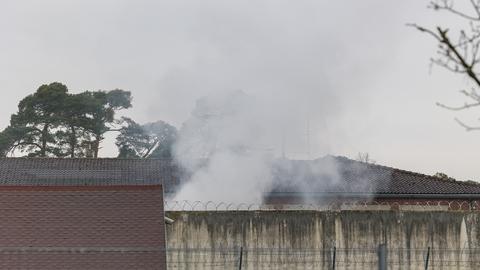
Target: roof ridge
x=431 y=177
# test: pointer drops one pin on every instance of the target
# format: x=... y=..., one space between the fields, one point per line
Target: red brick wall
x=77 y=222
x=114 y=261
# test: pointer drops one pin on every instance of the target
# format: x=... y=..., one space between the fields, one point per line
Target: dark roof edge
x=376 y=195
x=84 y=158
x=78 y=187
x=418 y=174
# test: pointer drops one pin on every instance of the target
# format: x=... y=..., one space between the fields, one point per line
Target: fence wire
x=454 y=205
x=274 y=258
x=352 y=258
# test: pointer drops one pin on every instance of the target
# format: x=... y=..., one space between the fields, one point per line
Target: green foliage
x=8 y=139
x=443 y=176
x=38 y=114
x=73 y=139
x=101 y=112
x=151 y=140
x=165 y=137
x=53 y=122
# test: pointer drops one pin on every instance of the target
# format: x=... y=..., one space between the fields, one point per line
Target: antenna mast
x=309 y=156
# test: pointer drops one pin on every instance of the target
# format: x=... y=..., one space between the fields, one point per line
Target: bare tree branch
x=447 y=66
x=459 y=57
x=465 y=106
x=445 y=5
x=476 y=7
x=468 y=68
x=467 y=127
x=425 y=30
x=472 y=94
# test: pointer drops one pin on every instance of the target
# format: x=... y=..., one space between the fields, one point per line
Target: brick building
x=53 y=217
x=328 y=180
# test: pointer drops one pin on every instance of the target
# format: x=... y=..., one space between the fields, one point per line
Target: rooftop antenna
x=309 y=156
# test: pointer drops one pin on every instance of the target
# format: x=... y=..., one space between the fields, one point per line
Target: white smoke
x=230 y=143
x=223 y=145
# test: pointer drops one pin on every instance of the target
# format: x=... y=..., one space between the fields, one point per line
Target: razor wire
x=435 y=205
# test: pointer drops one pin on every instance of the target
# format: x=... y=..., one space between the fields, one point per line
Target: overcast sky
x=353 y=68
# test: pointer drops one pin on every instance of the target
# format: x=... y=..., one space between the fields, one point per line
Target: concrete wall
x=305 y=239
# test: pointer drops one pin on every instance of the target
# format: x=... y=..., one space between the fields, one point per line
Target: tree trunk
x=43 y=150
x=73 y=141
x=96 y=145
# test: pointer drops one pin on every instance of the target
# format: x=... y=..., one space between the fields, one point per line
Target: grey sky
x=352 y=67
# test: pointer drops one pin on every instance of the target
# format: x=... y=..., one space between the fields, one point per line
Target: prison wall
x=200 y=240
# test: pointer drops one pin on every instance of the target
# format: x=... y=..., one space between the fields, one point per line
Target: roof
x=336 y=175
x=82 y=227
x=330 y=175
x=88 y=171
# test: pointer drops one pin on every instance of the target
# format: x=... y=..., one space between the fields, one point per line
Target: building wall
x=305 y=239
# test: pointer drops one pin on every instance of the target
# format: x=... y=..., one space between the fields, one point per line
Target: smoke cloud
x=231 y=141
x=293 y=102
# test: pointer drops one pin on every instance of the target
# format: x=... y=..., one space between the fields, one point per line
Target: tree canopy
x=151 y=140
x=52 y=122
x=102 y=107
x=31 y=128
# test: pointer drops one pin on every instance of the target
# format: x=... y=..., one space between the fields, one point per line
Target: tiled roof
x=84 y=171
x=325 y=175
x=342 y=175
x=87 y=227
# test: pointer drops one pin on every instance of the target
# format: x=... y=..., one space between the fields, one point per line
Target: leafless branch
x=472 y=94
x=467 y=127
x=448 y=6
x=425 y=30
x=461 y=56
x=459 y=108
x=468 y=68
x=476 y=7
x=448 y=66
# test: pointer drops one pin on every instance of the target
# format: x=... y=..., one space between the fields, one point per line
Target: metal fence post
x=382 y=257
x=427 y=259
x=334 y=257
x=241 y=259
